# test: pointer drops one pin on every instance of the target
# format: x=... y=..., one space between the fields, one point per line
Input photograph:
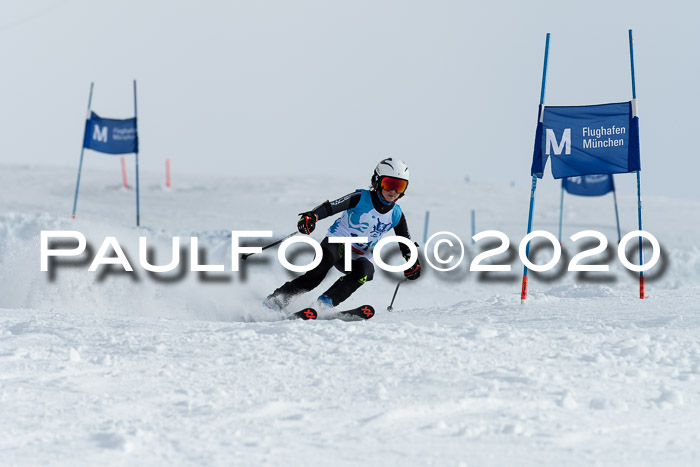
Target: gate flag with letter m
x=111 y=136
x=587 y=140
x=584 y=141
x=588 y=185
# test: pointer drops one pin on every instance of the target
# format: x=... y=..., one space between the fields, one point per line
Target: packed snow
x=117 y=368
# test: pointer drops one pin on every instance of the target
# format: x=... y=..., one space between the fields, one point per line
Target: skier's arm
x=307 y=223
x=401 y=230
x=331 y=208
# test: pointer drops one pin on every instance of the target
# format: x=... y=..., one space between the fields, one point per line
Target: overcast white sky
x=315 y=87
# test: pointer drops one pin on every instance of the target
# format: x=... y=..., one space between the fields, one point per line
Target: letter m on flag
x=99 y=134
x=552 y=142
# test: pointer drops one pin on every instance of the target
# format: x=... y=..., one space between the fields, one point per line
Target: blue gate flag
x=111 y=136
x=588 y=185
x=587 y=140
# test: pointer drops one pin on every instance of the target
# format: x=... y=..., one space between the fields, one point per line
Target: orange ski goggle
x=396 y=184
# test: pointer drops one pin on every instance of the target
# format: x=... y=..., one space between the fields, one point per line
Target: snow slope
x=116 y=368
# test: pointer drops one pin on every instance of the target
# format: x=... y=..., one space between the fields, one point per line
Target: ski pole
x=244 y=256
x=390 y=307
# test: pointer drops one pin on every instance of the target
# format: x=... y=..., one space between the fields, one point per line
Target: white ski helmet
x=390 y=167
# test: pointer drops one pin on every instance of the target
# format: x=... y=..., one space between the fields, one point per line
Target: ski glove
x=413 y=272
x=307 y=223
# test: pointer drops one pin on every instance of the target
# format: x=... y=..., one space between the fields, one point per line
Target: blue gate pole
x=138 y=211
x=642 y=291
x=473 y=225
x=82 y=152
x=523 y=291
x=425 y=227
x=561 y=209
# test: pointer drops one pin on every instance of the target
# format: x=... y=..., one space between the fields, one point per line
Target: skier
x=366 y=213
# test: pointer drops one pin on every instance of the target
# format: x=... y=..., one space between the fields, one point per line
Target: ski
x=355 y=314
x=305 y=314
